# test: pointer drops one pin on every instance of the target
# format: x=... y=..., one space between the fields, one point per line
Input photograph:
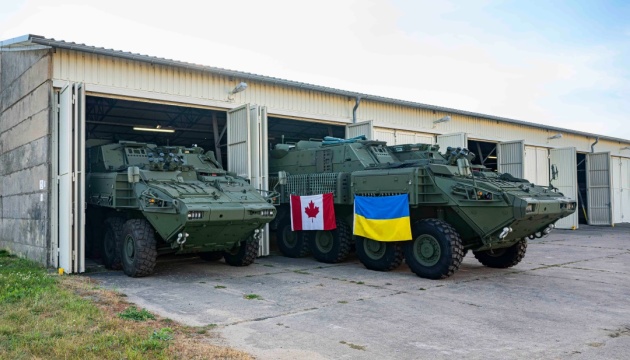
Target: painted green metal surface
x=191 y=202
x=489 y=210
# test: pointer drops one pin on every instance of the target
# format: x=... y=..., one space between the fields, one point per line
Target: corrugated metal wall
x=122 y=75
x=621 y=189
x=598 y=178
x=397 y=137
x=537 y=165
x=510 y=158
x=141 y=76
x=393 y=123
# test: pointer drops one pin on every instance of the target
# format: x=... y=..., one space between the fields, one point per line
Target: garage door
x=564 y=161
x=386 y=135
x=399 y=137
x=536 y=165
x=361 y=128
x=68 y=222
x=510 y=158
x=454 y=140
x=621 y=189
x=247 y=152
x=598 y=186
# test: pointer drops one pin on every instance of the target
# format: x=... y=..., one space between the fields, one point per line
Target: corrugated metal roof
x=24 y=41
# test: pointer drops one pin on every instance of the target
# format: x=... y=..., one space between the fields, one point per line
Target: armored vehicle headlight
x=195 y=215
x=568 y=206
x=266 y=212
x=530 y=208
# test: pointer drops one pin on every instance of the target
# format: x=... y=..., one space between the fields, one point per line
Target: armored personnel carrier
x=454 y=207
x=147 y=200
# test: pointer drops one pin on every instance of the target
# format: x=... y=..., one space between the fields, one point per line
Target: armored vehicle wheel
x=211 y=255
x=138 y=248
x=112 y=241
x=378 y=255
x=436 y=250
x=291 y=243
x=331 y=246
x=243 y=254
x=503 y=258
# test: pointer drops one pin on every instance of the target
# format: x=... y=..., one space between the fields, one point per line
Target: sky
x=559 y=63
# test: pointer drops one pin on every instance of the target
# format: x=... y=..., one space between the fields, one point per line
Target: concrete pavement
x=569 y=299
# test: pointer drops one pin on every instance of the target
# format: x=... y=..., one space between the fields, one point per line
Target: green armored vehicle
x=453 y=206
x=150 y=200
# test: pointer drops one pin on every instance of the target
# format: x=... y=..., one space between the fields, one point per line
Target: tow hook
x=542 y=234
x=506 y=230
x=181 y=239
x=548 y=229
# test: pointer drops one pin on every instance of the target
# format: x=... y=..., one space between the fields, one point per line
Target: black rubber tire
x=139 y=252
x=379 y=255
x=112 y=240
x=503 y=258
x=244 y=254
x=211 y=255
x=293 y=244
x=447 y=242
x=340 y=242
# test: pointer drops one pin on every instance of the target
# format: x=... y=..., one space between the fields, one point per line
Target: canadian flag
x=314 y=212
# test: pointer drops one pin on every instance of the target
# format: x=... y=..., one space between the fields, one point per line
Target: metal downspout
x=593 y=144
x=354 y=109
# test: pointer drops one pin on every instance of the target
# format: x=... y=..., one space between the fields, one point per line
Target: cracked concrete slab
x=567 y=299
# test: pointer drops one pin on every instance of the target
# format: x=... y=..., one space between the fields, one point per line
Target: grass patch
x=132 y=313
x=252 y=297
x=342 y=302
x=45 y=316
x=301 y=272
x=219 y=287
x=353 y=346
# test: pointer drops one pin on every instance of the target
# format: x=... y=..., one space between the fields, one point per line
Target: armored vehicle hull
x=453 y=207
x=146 y=201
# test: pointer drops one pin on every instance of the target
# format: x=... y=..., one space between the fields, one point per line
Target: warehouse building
x=57 y=98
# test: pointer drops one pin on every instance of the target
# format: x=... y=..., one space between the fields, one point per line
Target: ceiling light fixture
x=156 y=129
x=557 y=136
x=625 y=148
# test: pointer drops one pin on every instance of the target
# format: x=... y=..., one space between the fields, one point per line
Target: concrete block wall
x=25 y=118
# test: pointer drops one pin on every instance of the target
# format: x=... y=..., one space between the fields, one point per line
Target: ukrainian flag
x=382 y=218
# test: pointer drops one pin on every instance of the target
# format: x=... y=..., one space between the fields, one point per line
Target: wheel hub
x=130 y=247
x=427 y=250
x=324 y=241
x=374 y=249
x=289 y=237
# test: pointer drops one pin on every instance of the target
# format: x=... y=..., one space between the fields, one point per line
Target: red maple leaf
x=311 y=210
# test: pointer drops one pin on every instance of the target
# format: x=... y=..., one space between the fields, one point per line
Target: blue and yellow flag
x=382 y=218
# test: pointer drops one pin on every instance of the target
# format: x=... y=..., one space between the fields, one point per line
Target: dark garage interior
x=113 y=119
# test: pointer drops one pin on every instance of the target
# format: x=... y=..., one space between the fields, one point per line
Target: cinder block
x=35 y=102
x=27 y=82
x=28 y=130
x=15 y=63
x=32 y=154
x=28 y=206
x=24 y=181
x=35 y=253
